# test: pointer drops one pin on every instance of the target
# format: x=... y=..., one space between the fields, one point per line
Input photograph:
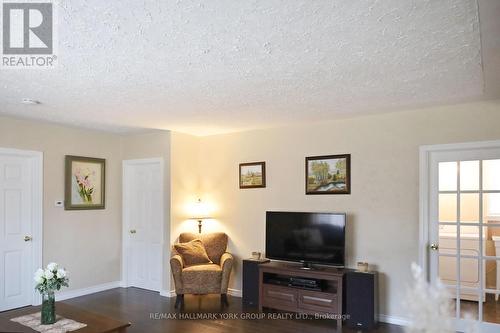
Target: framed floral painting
x=84 y=183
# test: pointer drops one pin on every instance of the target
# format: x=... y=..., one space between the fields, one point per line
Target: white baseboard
x=401 y=321
x=167 y=293
x=61 y=296
x=171 y=293
x=234 y=292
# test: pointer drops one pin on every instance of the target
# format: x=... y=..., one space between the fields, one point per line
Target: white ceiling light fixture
x=29 y=101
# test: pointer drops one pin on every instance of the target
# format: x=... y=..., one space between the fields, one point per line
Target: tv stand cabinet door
x=280 y=298
x=317 y=301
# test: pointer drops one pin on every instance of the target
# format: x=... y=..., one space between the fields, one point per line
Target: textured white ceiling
x=206 y=67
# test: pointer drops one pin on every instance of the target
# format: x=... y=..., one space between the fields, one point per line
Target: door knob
x=434 y=247
x=27 y=238
x=133 y=231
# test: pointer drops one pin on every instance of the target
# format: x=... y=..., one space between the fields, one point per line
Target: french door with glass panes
x=464 y=230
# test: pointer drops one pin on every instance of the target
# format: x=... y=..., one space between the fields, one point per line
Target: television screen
x=306 y=237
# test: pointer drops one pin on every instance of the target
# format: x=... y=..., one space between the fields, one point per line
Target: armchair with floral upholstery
x=211 y=278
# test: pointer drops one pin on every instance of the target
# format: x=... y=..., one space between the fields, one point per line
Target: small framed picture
x=329 y=174
x=253 y=175
x=84 y=183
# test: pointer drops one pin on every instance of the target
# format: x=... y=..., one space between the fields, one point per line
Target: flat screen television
x=309 y=238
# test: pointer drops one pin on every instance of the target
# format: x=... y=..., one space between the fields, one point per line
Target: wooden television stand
x=279 y=289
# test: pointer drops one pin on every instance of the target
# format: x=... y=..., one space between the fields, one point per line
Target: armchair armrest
x=176 y=265
x=226 y=264
x=176 y=260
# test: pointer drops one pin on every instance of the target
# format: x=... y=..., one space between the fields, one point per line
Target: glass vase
x=48 y=315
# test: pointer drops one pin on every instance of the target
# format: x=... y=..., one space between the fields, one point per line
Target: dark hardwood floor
x=150 y=313
x=491 y=309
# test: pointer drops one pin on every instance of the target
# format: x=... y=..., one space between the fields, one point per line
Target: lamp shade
x=200 y=211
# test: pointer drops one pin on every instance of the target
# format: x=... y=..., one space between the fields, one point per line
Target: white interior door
x=143 y=221
x=19 y=227
x=464 y=201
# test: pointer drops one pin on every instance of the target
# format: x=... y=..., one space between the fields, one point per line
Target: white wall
x=86 y=242
x=383 y=206
x=185 y=182
x=382 y=209
x=153 y=145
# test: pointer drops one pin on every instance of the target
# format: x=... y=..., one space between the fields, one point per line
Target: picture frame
x=252 y=175
x=85 y=183
x=328 y=174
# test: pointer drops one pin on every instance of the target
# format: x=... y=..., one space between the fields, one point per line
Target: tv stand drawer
x=276 y=294
x=278 y=297
x=317 y=301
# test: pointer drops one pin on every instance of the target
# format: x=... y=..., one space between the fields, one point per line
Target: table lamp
x=200 y=213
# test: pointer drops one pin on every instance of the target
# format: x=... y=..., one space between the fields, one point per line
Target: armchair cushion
x=215 y=243
x=201 y=279
x=193 y=253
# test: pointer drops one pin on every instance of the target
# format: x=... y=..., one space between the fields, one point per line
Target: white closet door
x=16 y=223
x=143 y=222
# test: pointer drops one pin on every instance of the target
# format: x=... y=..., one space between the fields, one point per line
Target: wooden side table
x=95 y=323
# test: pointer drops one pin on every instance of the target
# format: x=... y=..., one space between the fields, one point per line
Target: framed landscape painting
x=253 y=175
x=84 y=183
x=328 y=174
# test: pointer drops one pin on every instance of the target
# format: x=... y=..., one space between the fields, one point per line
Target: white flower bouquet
x=47 y=282
x=51 y=279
